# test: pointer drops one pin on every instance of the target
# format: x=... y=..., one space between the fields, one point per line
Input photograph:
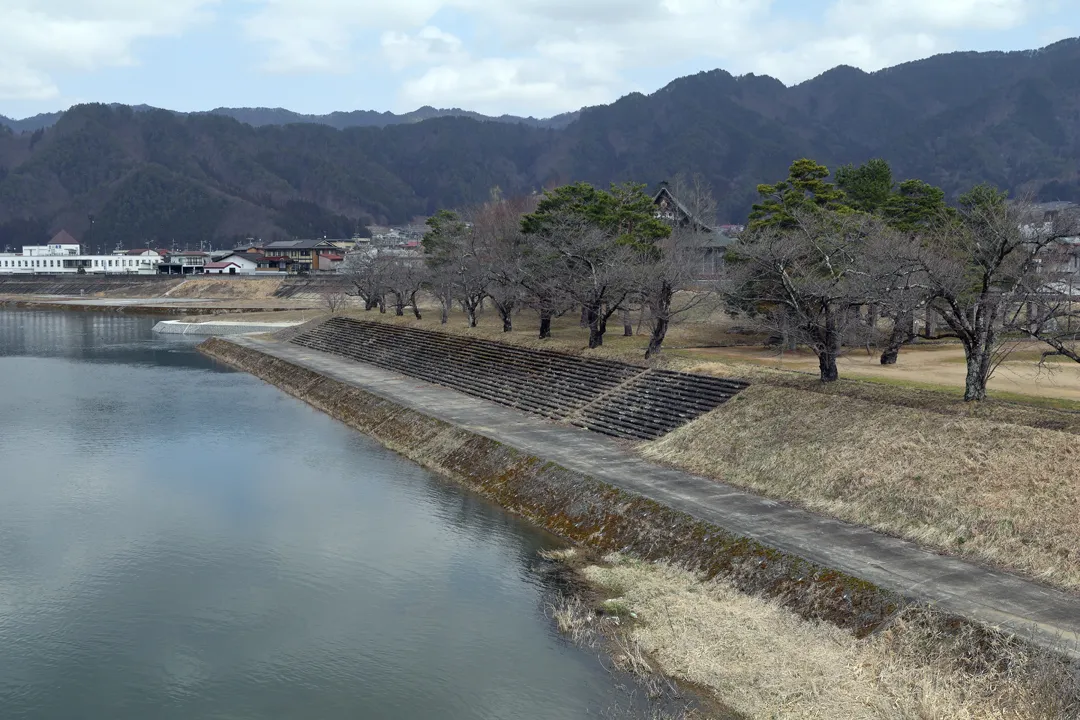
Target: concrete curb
x=217 y=329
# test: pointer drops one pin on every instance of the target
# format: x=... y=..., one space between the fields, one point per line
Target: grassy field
x=762 y=661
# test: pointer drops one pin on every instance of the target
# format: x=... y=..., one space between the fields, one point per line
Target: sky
x=524 y=57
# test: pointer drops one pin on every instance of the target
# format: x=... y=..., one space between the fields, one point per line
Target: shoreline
x=143 y=307
x=604 y=519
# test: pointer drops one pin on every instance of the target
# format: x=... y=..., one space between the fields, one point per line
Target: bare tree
x=983 y=271
x=667 y=276
x=592 y=270
x=458 y=264
x=894 y=285
x=404 y=278
x=497 y=228
x=334 y=300
x=806 y=278
x=366 y=272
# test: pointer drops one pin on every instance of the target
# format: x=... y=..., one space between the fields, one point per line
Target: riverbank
x=606 y=518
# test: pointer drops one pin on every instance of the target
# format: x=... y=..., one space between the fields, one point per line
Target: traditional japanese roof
x=220 y=265
x=665 y=194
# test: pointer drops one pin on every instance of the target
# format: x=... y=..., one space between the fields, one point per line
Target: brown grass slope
x=997 y=492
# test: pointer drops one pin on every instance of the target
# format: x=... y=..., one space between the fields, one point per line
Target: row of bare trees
x=822 y=266
x=577 y=248
x=822 y=276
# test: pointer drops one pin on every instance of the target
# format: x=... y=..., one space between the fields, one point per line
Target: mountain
x=257 y=117
x=152 y=175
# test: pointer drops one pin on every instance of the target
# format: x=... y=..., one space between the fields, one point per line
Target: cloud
x=546 y=56
x=42 y=37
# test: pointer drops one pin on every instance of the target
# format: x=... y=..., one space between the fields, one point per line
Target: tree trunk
x=979 y=359
x=369 y=303
x=872 y=316
x=447 y=302
x=978 y=371
x=470 y=313
x=903 y=331
x=829 y=351
x=382 y=304
x=416 y=311
x=930 y=323
x=506 y=312
x=627 y=324
x=545 y=324
x=827 y=365
x=656 y=339
x=597 y=325
x=584 y=316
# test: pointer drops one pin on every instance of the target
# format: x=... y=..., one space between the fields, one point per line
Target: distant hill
x=156 y=176
x=257 y=117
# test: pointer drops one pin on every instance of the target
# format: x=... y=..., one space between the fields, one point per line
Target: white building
x=64 y=256
x=232 y=264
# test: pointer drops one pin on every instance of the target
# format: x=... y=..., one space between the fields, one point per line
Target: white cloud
x=41 y=37
x=520 y=56
x=546 y=56
x=931 y=15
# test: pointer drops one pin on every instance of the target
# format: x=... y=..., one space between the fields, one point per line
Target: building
x=275 y=264
x=63 y=256
x=713 y=239
x=303 y=253
x=330 y=262
x=186 y=262
x=234 y=264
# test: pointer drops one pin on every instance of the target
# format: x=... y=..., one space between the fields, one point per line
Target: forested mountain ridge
x=257 y=117
x=151 y=175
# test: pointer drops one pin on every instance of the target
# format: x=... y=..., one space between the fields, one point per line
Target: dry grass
x=765 y=662
x=940 y=365
x=997 y=492
x=230 y=288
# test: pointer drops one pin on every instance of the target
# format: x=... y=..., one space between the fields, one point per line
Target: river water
x=178 y=540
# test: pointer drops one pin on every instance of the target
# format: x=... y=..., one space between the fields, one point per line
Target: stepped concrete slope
x=70 y=285
x=1046 y=615
x=608 y=397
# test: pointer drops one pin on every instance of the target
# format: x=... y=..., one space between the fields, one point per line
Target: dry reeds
x=765 y=662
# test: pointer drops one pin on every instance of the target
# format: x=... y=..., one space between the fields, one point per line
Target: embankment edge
x=576 y=506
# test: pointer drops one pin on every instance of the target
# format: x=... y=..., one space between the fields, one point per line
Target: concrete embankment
x=573 y=504
x=913 y=638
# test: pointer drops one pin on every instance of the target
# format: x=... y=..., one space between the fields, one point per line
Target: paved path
x=996 y=598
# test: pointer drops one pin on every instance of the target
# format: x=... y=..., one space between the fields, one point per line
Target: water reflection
x=181 y=541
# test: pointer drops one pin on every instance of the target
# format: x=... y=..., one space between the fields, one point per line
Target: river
x=178 y=540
